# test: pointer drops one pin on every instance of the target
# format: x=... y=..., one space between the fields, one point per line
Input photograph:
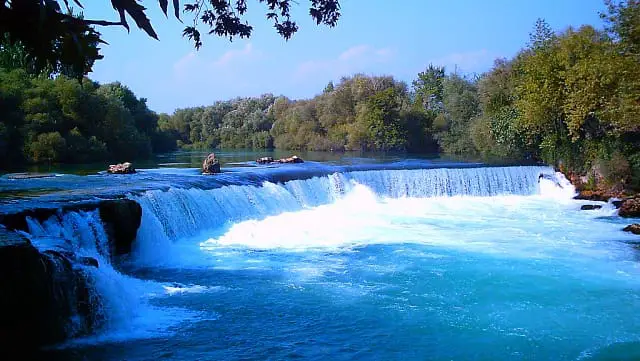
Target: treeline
x=570 y=99
x=359 y=113
x=64 y=120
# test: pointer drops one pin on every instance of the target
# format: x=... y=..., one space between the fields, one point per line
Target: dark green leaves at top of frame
x=136 y=11
x=59 y=41
x=55 y=42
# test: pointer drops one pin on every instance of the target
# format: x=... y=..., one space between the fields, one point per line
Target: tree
x=542 y=35
x=57 y=37
x=329 y=88
x=429 y=87
x=623 y=23
x=381 y=115
x=48 y=146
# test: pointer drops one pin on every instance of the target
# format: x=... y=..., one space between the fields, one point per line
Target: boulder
x=590 y=207
x=211 y=165
x=121 y=168
x=630 y=208
x=633 y=228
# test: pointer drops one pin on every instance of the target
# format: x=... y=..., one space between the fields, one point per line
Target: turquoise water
x=381 y=264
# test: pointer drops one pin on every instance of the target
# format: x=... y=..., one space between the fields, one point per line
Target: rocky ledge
x=628 y=204
x=120 y=218
x=630 y=208
x=46 y=296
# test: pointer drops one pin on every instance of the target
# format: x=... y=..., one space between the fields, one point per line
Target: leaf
x=136 y=11
x=163 y=5
x=176 y=8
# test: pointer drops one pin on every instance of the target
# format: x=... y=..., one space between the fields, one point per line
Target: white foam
x=558 y=187
x=193 y=289
x=495 y=225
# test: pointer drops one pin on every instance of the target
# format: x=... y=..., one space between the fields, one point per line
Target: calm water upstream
x=349 y=258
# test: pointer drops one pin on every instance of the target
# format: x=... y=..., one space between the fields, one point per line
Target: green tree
x=50 y=147
x=429 y=88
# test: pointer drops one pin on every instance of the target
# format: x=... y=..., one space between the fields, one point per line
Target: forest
x=570 y=99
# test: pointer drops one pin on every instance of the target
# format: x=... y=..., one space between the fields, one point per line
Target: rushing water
x=378 y=264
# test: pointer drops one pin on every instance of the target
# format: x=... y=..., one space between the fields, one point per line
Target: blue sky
x=380 y=37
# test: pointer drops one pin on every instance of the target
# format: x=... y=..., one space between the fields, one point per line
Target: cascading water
x=116 y=302
x=373 y=264
x=180 y=213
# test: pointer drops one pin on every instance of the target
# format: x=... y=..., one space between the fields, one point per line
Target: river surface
x=348 y=258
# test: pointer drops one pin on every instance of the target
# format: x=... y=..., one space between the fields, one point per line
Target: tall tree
x=429 y=87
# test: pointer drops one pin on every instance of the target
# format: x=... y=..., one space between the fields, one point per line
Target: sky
x=374 y=37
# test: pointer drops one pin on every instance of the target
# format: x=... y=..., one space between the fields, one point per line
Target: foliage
x=62 y=120
x=429 y=88
x=569 y=99
x=358 y=113
x=60 y=41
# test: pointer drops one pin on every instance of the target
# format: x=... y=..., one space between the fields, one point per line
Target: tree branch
x=102 y=22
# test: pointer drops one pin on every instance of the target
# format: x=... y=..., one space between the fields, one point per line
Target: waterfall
x=182 y=213
x=112 y=298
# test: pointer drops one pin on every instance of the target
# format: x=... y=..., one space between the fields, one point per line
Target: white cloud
x=472 y=61
x=354 y=52
x=359 y=58
x=193 y=65
x=235 y=55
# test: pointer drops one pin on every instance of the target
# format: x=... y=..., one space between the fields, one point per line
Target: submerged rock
x=269 y=160
x=590 y=207
x=292 y=159
x=630 y=208
x=633 y=228
x=211 y=165
x=122 y=168
x=30 y=175
x=264 y=160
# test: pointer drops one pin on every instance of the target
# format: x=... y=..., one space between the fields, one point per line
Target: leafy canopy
x=59 y=39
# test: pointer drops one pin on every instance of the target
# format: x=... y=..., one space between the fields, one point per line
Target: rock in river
x=633 y=228
x=211 y=165
x=269 y=160
x=630 y=208
x=122 y=168
x=590 y=207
